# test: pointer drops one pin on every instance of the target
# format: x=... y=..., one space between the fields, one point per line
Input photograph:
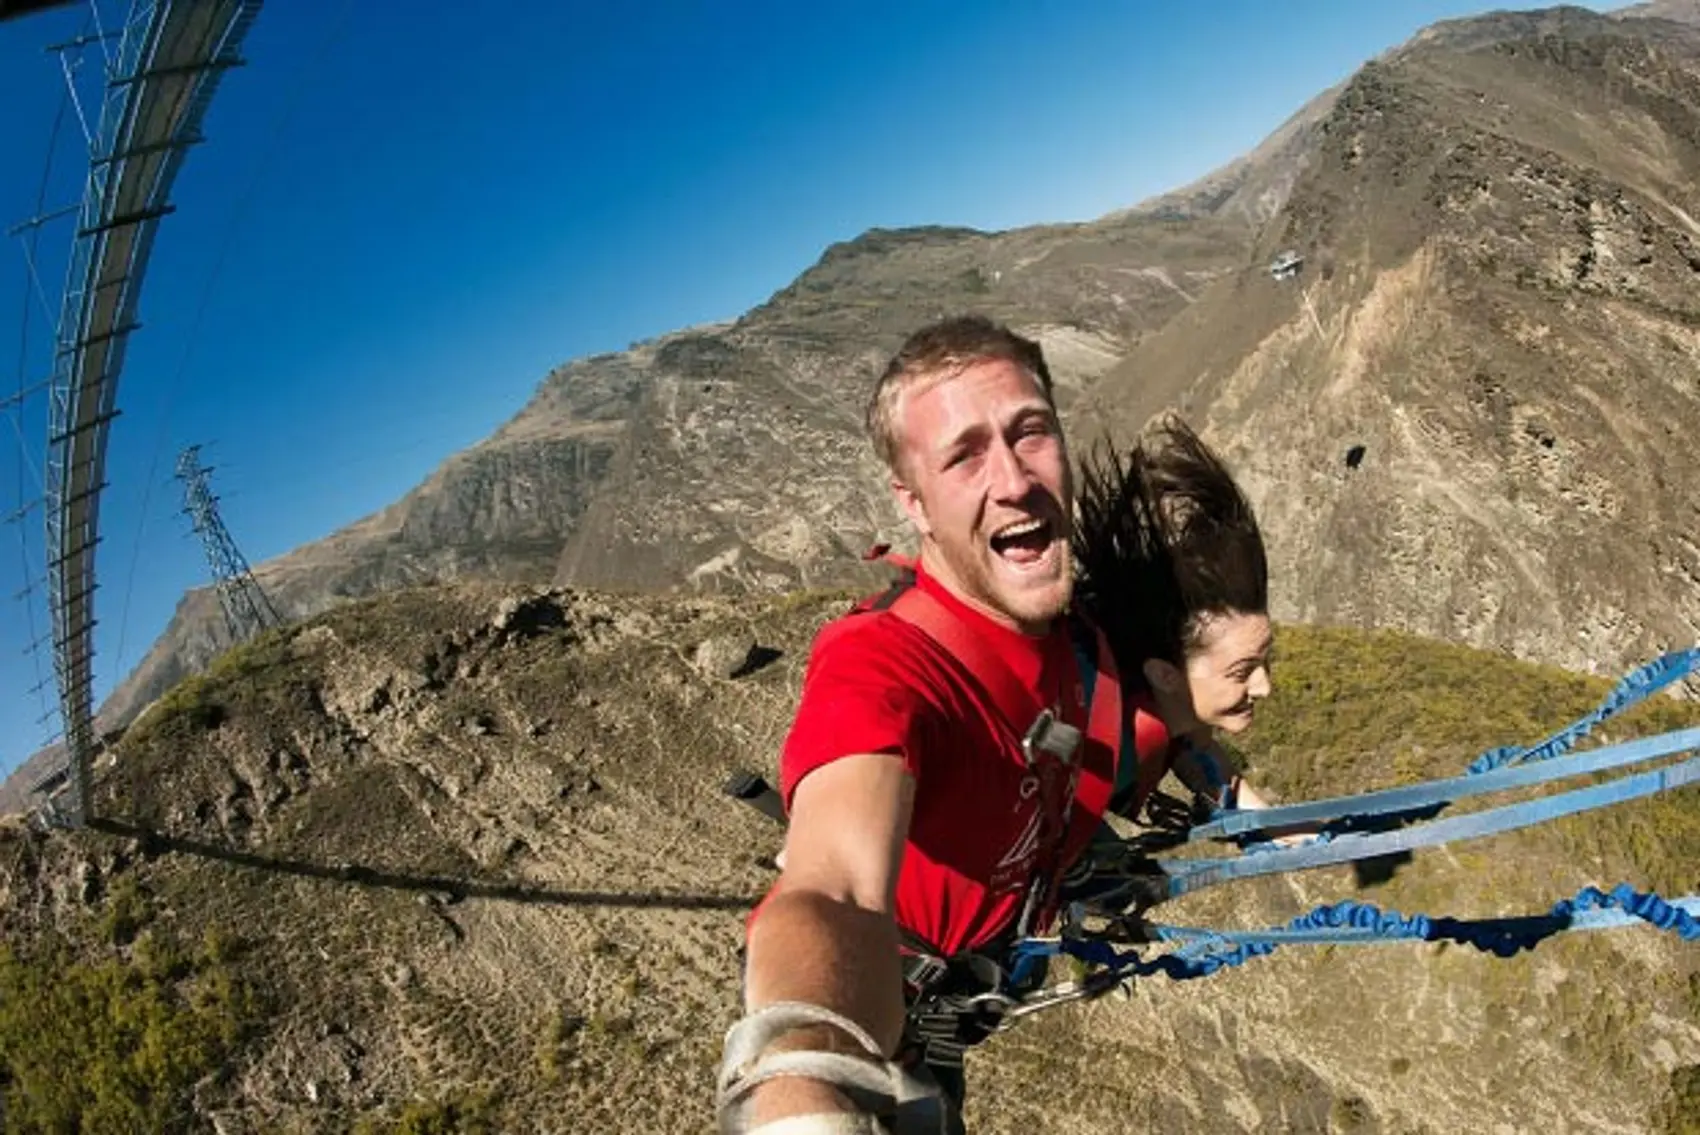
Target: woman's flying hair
x=1164 y=540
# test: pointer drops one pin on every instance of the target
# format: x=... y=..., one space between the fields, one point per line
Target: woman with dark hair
x=1172 y=569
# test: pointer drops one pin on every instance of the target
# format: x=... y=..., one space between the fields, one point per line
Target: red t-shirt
x=882 y=685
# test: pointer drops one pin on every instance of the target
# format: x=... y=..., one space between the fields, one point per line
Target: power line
x=175 y=388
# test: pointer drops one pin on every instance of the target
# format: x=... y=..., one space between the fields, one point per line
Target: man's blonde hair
x=936 y=351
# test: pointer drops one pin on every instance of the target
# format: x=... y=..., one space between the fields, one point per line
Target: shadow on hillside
x=449 y=890
x=1381 y=869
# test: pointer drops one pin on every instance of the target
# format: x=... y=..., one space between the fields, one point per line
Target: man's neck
x=932 y=566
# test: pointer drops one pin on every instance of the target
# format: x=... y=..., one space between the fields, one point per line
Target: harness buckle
x=922 y=971
x=1054 y=738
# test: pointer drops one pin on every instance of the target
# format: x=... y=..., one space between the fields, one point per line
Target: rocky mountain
x=728 y=457
x=1497 y=305
x=501 y=509
x=1679 y=11
x=749 y=468
x=456 y=859
x=1468 y=414
x=1252 y=188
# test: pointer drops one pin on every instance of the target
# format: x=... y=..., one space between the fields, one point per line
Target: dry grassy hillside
x=455 y=860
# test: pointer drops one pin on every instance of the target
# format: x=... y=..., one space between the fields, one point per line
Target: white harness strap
x=883 y=1090
x=840 y=1123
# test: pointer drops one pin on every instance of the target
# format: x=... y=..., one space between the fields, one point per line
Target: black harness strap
x=941 y=1023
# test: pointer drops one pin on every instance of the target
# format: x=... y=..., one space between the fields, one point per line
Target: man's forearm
x=810 y=947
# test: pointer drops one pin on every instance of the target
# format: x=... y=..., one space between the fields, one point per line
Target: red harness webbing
x=1150 y=744
x=1089 y=780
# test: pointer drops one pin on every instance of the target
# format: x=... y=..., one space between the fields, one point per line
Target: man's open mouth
x=1024 y=542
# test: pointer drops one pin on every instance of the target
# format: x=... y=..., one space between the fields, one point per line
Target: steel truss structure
x=247 y=611
x=159 y=82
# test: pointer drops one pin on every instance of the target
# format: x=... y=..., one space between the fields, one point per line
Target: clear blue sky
x=406 y=215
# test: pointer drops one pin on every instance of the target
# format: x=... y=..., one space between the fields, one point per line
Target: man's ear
x=912 y=507
x=1164 y=676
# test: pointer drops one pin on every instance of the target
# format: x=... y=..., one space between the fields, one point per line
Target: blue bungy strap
x=1188 y=875
x=1409 y=799
x=1202 y=952
x=1635 y=688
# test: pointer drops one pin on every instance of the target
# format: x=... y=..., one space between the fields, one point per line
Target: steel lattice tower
x=247 y=611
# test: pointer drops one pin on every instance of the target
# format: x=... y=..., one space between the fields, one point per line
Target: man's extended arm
x=827 y=935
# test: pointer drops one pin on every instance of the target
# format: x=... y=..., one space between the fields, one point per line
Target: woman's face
x=1225 y=675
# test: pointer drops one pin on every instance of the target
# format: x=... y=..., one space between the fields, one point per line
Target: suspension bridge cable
x=31 y=243
x=100 y=37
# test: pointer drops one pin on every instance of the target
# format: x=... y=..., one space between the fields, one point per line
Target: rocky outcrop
x=1466 y=416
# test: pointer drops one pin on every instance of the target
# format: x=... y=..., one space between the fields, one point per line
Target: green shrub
x=464 y=1113
x=558 y=1028
x=1681 y=1112
x=125 y=914
x=115 y=1045
x=263 y=668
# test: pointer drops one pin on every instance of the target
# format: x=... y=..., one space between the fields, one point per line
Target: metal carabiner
x=1067 y=992
x=993 y=1004
x=1003 y=1010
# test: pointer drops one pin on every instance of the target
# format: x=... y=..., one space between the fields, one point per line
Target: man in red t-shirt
x=910 y=798
x=923 y=811
x=882 y=685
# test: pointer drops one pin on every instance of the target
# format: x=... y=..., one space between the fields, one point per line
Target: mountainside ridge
x=1503 y=312
x=601 y=433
